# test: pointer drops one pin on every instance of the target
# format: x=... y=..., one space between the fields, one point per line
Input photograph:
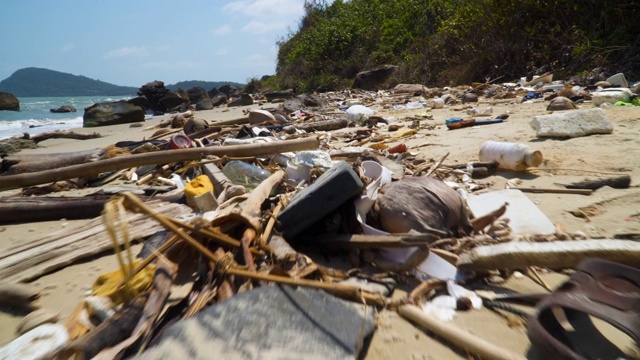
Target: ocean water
x=34 y=116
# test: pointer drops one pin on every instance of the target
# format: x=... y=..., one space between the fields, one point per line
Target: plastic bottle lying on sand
x=510 y=156
x=245 y=174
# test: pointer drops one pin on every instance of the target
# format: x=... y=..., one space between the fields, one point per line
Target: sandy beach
x=617 y=211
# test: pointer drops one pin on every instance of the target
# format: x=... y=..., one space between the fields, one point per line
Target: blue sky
x=132 y=42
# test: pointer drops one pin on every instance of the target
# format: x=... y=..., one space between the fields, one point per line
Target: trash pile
x=262 y=239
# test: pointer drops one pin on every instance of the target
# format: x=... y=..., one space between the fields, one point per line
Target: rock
x=374 y=79
x=64 y=109
x=293 y=104
x=204 y=104
x=170 y=101
x=260 y=116
x=333 y=188
x=561 y=103
x=469 y=97
x=298 y=323
x=112 y=113
x=182 y=93
x=312 y=101
x=153 y=92
x=243 y=100
x=411 y=89
x=219 y=99
x=572 y=124
x=194 y=125
x=283 y=94
x=9 y=102
x=140 y=101
x=230 y=90
x=197 y=94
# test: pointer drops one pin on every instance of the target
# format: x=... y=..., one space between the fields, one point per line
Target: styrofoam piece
x=618 y=80
x=525 y=217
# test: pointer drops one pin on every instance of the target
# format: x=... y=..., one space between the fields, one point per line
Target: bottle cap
x=533 y=158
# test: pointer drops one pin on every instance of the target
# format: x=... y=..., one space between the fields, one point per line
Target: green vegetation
x=33 y=82
x=207 y=85
x=449 y=42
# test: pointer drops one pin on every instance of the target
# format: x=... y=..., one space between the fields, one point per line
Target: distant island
x=38 y=82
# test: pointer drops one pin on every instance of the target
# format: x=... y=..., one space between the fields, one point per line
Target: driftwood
x=554 y=255
x=455 y=335
x=28 y=261
x=556 y=191
x=61 y=135
x=34 y=209
x=620 y=182
x=21 y=163
x=324 y=125
x=358 y=241
x=159 y=157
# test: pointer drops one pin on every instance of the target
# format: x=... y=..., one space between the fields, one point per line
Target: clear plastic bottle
x=245 y=174
x=510 y=156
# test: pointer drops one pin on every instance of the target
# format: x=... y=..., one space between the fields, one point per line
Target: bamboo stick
x=159 y=157
x=455 y=335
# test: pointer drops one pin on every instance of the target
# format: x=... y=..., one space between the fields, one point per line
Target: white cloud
x=274 y=10
x=67 y=47
x=222 y=30
x=221 y=51
x=128 y=51
x=259 y=27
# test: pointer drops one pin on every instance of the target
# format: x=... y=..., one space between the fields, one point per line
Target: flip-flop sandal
x=603 y=289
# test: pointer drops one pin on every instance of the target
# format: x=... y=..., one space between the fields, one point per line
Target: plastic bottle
x=242 y=173
x=510 y=156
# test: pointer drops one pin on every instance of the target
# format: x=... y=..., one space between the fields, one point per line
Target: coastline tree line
x=450 y=42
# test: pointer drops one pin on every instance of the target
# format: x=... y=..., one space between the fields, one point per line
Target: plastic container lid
x=180 y=141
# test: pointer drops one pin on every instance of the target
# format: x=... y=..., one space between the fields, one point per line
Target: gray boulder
x=64 y=109
x=9 y=102
x=112 y=113
x=197 y=94
x=230 y=90
x=204 y=104
x=282 y=94
x=374 y=79
x=243 y=100
x=170 y=101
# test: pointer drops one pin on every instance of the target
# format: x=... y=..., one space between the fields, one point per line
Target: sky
x=132 y=42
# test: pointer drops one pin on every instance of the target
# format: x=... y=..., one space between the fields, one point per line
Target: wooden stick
x=554 y=254
x=556 y=191
x=62 y=135
x=455 y=335
x=436 y=165
x=359 y=241
x=159 y=157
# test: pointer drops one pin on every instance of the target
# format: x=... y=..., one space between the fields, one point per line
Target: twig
x=436 y=165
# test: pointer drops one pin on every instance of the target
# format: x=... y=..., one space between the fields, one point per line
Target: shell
x=35 y=319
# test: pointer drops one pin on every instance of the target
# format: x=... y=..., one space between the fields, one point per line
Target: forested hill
x=452 y=42
x=38 y=82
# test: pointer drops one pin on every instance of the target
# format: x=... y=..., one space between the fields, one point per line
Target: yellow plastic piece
x=107 y=284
